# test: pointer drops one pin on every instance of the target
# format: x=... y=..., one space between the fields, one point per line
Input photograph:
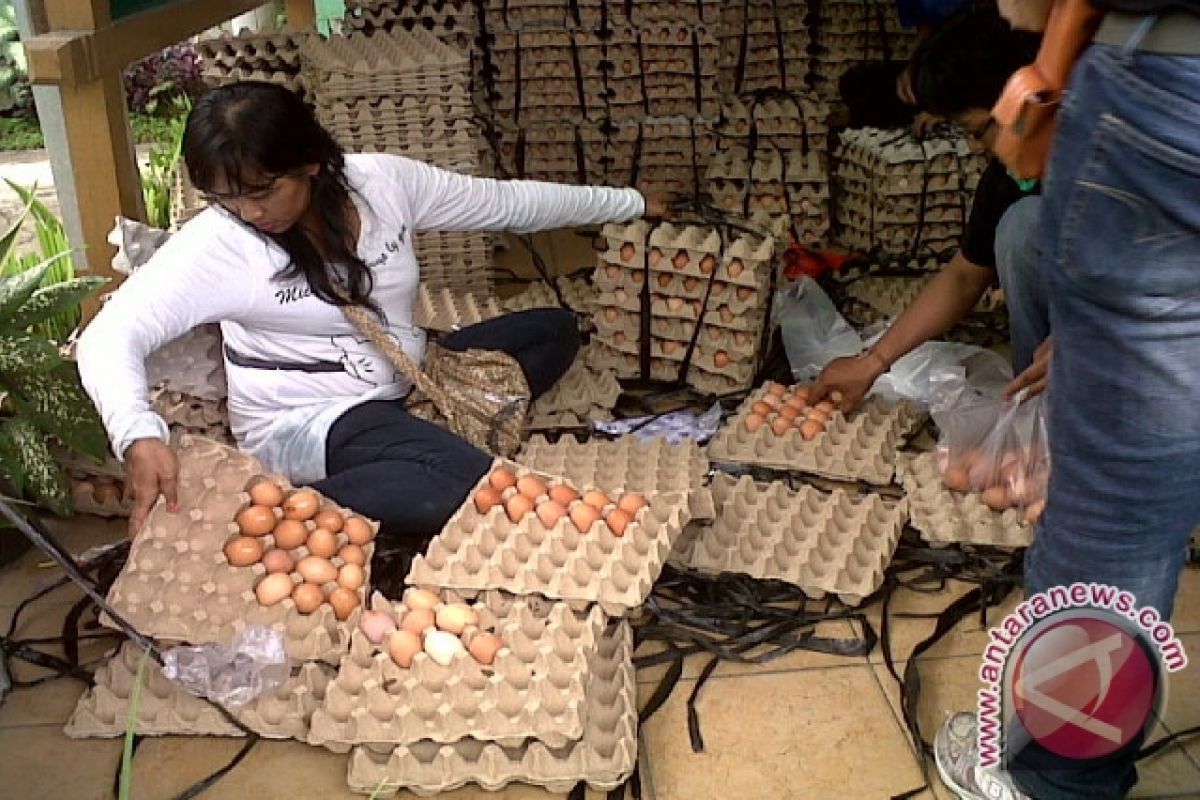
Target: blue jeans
x=1023 y=278
x=1120 y=234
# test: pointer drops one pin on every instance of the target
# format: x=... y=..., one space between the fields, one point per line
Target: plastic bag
x=813 y=331
x=990 y=445
x=234 y=674
x=675 y=427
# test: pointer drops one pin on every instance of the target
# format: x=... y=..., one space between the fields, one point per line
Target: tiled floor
x=804 y=726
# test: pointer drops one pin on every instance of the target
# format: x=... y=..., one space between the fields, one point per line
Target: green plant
x=15 y=95
x=159 y=175
x=40 y=393
x=54 y=249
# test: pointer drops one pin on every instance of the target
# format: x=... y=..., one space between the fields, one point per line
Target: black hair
x=243 y=136
x=968 y=59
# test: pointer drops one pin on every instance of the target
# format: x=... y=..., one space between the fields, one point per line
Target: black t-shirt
x=996 y=192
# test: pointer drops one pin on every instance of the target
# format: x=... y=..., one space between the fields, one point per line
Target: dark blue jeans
x=1120 y=237
x=1023 y=278
x=410 y=474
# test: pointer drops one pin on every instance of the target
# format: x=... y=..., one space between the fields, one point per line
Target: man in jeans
x=1120 y=236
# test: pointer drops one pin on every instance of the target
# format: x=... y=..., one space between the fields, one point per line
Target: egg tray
x=742 y=343
x=444 y=309
x=533 y=689
x=724 y=313
x=661 y=369
x=944 y=516
x=343 y=63
x=192 y=364
x=177 y=585
x=84 y=501
x=266 y=51
x=476 y=551
x=771 y=165
x=186 y=410
x=165 y=708
x=831 y=543
x=861 y=446
x=614 y=274
x=890 y=296
x=739 y=370
x=579 y=295
x=408 y=109
x=604 y=757
x=755 y=252
x=579 y=390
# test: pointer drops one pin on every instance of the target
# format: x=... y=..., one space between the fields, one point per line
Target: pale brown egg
x=754 y=422
x=329 y=519
x=416 y=599
x=675 y=303
x=352 y=576
x=316 y=569
x=417 y=620
x=344 y=601
x=596 y=499
x=584 y=515
x=708 y=264
x=795 y=401
x=301 y=504
x=273 y=588
x=289 y=534
x=502 y=478
x=761 y=408
x=780 y=426
x=402 y=646
x=824 y=406
x=353 y=554
x=1033 y=511
x=322 y=543
x=244 y=551
x=631 y=503
x=307 y=597
x=106 y=493
x=563 y=495
x=810 y=429
x=442 y=647
x=721 y=359
x=358 y=531
x=663 y=280
x=611 y=314
x=802 y=393
x=744 y=293
x=618 y=520
x=736 y=267
x=656 y=256
x=276 y=560
x=376 y=625
x=789 y=412
x=691 y=284
x=957 y=478
x=670 y=346
x=550 y=512
x=725 y=314
x=264 y=492
x=255 y=520
x=627 y=252
x=517 y=507
x=531 y=486
x=484 y=646
x=613 y=272
x=995 y=498
x=817 y=415
x=456 y=617
x=487 y=498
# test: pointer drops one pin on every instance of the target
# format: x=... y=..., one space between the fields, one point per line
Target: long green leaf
x=23 y=354
x=16 y=289
x=51 y=300
x=10 y=463
x=44 y=479
x=125 y=785
x=56 y=402
x=10 y=236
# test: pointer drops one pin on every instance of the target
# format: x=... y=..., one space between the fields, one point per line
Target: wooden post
x=301 y=15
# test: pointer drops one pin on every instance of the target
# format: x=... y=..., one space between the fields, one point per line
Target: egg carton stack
x=551 y=14
x=788 y=171
x=679 y=266
x=247 y=56
x=902 y=195
x=187 y=413
x=443 y=309
x=455 y=22
x=849 y=32
x=944 y=516
x=764 y=45
x=563 y=151
x=827 y=543
x=459 y=261
x=671 y=154
x=580 y=396
x=676 y=70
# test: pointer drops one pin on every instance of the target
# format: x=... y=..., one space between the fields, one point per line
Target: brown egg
x=726 y=315
x=376 y=625
x=824 y=406
x=691 y=284
x=307 y=597
x=789 y=412
x=353 y=554
x=631 y=503
x=817 y=415
x=315 y=569
x=273 y=588
x=721 y=359
x=995 y=498
x=487 y=498
x=627 y=252
x=265 y=492
x=255 y=520
x=810 y=429
x=801 y=393
x=502 y=478
x=670 y=346
x=675 y=303
x=276 y=560
x=550 y=512
x=352 y=576
x=402 y=646
x=754 y=422
x=611 y=314
x=618 y=337
x=736 y=267
x=655 y=256
x=780 y=426
x=329 y=519
x=417 y=599
x=322 y=543
x=531 y=486
x=618 y=520
x=563 y=495
x=517 y=507
x=358 y=531
x=1033 y=511
x=663 y=280
x=761 y=408
x=744 y=293
x=417 y=620
x=343 y=601
x=243 y=551
x=708 y=264
x=956 y=477
x=106 y=493
x=289 y=534
x=596 y=499
x=301 y=504
x=584 y=515
x=484 y=647
x=456 y=617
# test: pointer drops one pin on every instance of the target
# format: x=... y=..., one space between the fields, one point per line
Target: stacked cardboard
x=273 y=57
x=765 y=44
x=850 y=32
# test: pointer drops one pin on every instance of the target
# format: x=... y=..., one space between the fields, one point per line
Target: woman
x=292 y=216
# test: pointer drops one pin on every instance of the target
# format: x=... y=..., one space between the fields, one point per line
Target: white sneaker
x=956 y=753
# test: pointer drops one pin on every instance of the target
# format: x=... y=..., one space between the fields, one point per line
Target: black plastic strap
x=779 y=46
x=696 y=72
x=686 y=365
x=641 y=49
x=636 y=168
x=517 y=79
x=663 y=691
x=208 y=782
x=581 y=95
x=646 y=317
x=696 y=177
x=739 y=73
x=580 y=158
x=573 y=7
x=519 y=155
x=578 y=791
x=697 y=740
x=924 y=200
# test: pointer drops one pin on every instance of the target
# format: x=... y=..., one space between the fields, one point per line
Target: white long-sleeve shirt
x=216 y=270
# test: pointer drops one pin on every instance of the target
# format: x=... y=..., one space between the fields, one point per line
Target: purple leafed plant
x=157 y=78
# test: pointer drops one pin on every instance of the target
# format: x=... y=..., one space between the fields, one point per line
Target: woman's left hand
x=658 y=206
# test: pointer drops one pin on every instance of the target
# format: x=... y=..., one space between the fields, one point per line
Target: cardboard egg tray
x=791 y=120
x=764 y=46
x=444 y=309
x=101 y=497
x=533 y=689
x=662 y=369
x=825 y=543
x=476 y=551
x=191 y=364
x=891 y=295
x=861 y=446
x=165 y=708
x=580 y=391
x=177 y=585
x=272 y=57
x=604 y=756
x=848 y=33
x=667 y=330
x=358 y=65
x=455 y=260
x=944 y=516
x=453 y=21
x=579 y=295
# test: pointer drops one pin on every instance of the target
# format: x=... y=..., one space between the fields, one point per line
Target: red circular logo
x=1083 y=687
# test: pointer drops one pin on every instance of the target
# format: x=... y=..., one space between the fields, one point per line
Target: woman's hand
x=151 y=468
x=658 y=206
x=844 y=381
x=1036 y=375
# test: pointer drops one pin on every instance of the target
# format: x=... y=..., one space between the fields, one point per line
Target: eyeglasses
x=232 y=202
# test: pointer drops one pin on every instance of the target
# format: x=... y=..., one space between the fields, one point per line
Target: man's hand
x=151 y=468
x=844 y=381
x=1036 y=374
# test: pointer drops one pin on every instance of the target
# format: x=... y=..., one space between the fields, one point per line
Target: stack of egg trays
x=675 y=74
x=826 y=543
x=554 y=14
x=445 y=310
x=580 y=396
x=889 y=295
x=533 y=689
x=861 y=446
x=668 y=155
x=579 y=295
x=457 y=260
x=850 y=32
x=944 y=516
x=453 y=21
x=727 y=347
x=487 y=551
x=192 y=364
x=764 y=45
x=584 y=152
x=86 y=476
x=165 y=708
x=177 y=585
x=187 y=413
x=272 y=57
x=604 y=755
x=903 y=195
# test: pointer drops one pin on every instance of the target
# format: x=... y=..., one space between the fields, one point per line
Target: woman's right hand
x=844 y=381
x=151 y=468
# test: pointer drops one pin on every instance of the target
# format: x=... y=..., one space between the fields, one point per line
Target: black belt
x=1173 y=33
x=239 y=360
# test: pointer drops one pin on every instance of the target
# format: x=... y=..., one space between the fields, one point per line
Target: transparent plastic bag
x=234 y=674
x=813 y=331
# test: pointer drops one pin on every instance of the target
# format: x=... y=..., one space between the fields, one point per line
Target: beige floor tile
x=1187 y=602
x=781 y=735
x=41 y=762
x=33 y=570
